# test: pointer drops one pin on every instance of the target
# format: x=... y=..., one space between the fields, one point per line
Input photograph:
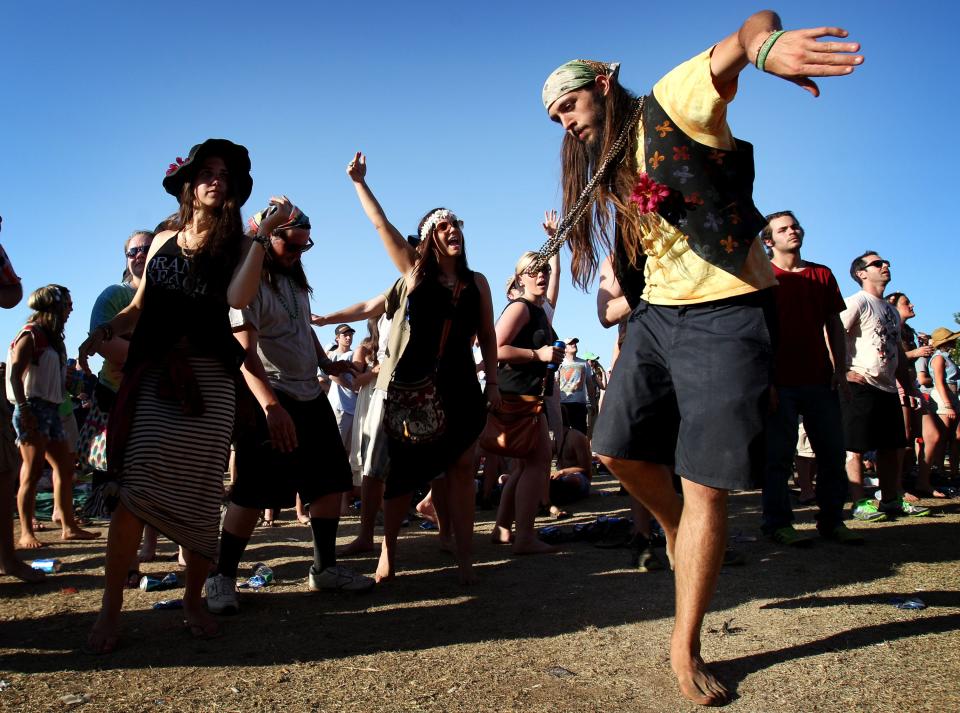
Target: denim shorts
x=47 y=416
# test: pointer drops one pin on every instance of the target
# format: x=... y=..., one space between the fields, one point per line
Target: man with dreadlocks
x=689 y=391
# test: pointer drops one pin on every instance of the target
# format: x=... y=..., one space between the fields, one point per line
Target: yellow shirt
x=674 y=273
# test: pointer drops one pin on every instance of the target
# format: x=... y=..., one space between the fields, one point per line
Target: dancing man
x=690 y=388
x=296 y=447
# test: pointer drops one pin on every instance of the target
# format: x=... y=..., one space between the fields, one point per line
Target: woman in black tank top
x=524 y=349
x=170 y=435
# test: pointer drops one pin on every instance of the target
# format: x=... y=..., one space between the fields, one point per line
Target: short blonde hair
x=525 y=261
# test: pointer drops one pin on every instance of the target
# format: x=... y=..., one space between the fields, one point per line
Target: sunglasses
x=546 y=270
x=294 y=247
x=134 y=251
x=878 y=263
x=446 y=224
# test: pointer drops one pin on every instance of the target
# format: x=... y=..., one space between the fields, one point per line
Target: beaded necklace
x=293 y=313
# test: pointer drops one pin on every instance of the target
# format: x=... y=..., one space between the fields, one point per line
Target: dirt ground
x=797 y=630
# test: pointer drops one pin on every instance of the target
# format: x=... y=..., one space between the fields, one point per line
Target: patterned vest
x=712 y=201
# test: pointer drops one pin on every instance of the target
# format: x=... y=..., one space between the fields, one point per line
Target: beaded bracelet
x=262 y=240
x=765 y=49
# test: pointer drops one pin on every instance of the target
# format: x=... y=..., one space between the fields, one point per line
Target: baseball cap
x=343 y=329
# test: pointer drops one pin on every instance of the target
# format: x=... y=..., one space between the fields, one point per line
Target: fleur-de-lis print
x=693 y=199
x=657 y=159
x=681 y=153
x=683 y=173
x=729 y=243
x=711 y=222
x=664 y=129
x=716 y=156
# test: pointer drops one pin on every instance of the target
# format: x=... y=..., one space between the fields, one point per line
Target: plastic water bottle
x=263 y=572
x=49 y=565
x=559 y=345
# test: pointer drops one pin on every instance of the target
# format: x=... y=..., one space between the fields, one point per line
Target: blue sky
x=98 y=98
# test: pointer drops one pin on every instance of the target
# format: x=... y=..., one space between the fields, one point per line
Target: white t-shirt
x=342 y=398
x=873 y=339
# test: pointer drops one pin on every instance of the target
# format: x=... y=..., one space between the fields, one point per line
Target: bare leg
x=461 y=498
x=506 y=511
x=932 y=439
x=32 y=455
x=371 y=499
x=394 y=512
x=10 y=564
x=122 y=539
x=196 y=616
x=652 y=485
x=855 y=475
x=701 y=541
x=63 y=467
x=438 y=500
x=303 y=517
x=529 y=493
x=641 y=518
x=148 y=550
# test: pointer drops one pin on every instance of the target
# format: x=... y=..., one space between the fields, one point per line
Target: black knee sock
x=324 y=541
x=231 y=552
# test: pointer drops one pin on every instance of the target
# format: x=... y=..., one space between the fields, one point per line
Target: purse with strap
x=513 y=429
x=413 y=412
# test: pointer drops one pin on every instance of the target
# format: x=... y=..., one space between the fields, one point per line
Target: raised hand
x=357 y=168
x=798 y=55
x=550 y=222
x=278 y=217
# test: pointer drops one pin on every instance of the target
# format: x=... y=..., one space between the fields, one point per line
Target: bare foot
x=501 y=536
x=78 y=534
x=22 y=571
x=533 y=547
x=357 y=547
x=199 y=622
x=103 y=637
x=911 y=498
x=384 y=571
x=303 y=519
x=427 y=511
x=697 y=682
x=29 y=541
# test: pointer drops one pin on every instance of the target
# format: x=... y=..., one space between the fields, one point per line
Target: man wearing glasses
x=294 y=448
x=872 y=419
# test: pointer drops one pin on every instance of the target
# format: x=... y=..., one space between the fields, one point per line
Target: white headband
x=435 y=217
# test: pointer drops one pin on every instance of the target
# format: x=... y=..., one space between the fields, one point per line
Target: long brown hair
x=48 y=304
x=224 y=237
x=612 y=206
x=427 y=264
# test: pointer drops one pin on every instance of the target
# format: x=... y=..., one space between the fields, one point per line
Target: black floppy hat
x=234 y=155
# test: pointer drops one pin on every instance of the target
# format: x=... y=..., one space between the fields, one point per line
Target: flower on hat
x=648 y=194
x=175 y=166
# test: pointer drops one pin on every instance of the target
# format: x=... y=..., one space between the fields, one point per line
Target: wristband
x=765 y=49
x=262 y=240
x=533 y=355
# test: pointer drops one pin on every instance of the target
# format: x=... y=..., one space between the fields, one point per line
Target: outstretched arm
x=373 y=307
x=796 y=55
x=399 y=250
x=553 y=282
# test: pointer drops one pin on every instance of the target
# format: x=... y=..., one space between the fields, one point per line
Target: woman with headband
x=440 y=288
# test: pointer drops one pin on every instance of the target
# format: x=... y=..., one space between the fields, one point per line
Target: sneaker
x=221 y=594
x=787 y=535
x=642 y=556
x=843 y=535
x=867 y=511
x=338 y=579
x=903 y=508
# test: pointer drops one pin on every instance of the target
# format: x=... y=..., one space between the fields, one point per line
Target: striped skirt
x=173 y=464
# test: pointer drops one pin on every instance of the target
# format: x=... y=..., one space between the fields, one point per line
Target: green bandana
x=573 y=75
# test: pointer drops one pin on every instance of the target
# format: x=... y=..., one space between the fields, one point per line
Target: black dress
x=428 y=306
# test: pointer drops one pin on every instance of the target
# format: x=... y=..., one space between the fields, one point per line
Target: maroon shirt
x=805 y=300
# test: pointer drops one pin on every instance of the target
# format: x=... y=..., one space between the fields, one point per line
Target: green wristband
x=765 y=49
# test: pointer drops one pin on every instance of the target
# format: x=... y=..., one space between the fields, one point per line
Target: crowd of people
x=731 y=349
